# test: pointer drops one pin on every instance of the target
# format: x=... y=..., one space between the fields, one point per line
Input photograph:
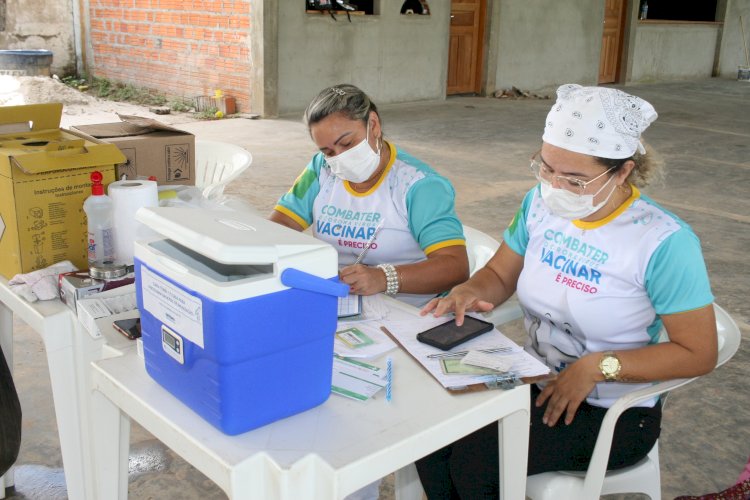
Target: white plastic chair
x=643 y=477
x=217 y=164
x=481 y=247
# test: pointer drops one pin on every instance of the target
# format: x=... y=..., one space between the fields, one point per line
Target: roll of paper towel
x=127 y=198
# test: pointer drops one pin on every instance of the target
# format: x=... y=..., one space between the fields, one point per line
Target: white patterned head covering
x=598 y=121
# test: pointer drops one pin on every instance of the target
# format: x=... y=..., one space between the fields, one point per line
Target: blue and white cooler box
x=238 y=314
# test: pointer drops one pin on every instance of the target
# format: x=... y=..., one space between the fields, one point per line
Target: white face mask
x=572 y=206
x=356 y=164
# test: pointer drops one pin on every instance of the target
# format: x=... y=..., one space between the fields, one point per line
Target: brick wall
x=182 y=48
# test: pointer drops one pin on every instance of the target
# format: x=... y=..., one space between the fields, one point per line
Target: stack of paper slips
x=495 y=362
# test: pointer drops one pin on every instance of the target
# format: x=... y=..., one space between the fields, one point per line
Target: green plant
x=125 y=92
x=101 y=87
x=207 y=114
x=157 y=99
x=180 y=105
x=74 y=81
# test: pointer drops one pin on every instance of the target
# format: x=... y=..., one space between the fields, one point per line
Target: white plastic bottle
x=98 y=208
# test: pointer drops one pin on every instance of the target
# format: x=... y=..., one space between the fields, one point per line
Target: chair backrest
x=217 y=164
x=480 y=247
x=729 y=335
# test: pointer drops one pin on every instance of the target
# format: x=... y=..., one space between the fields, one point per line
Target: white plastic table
x=323 y=453
x=55 y=323
x=70 y=351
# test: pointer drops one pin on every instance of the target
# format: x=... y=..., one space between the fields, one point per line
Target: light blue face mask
x=356 y=164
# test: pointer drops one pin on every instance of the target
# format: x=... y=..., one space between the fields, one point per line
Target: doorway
x=609 y=59
x=466 y=47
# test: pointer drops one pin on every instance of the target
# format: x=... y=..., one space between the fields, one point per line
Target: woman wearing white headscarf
x=599 y=268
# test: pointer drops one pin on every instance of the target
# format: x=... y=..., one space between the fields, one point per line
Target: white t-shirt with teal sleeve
x=598 y=286
x=411 y=207
x=297 y=203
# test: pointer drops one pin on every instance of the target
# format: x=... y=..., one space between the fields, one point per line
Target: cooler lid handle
x=294 y=278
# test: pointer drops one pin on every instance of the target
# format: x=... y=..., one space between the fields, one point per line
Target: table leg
x=58 y=343
x=6 y=481
x=6 y=341
x=86 y=349
x=408 y=486
x=513 y=437
x=111 y=446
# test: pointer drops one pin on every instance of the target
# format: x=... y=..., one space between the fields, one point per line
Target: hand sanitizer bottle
x=98 y=208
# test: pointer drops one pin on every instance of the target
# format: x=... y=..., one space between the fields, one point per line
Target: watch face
x=610 y=367
x=610 y=364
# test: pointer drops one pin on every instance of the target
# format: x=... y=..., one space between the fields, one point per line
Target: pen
x=369 y=242
x=388 y=379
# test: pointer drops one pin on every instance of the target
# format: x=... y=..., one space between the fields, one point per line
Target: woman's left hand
x=363 y=280
x=568 y=390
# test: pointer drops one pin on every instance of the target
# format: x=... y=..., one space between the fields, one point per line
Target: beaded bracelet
x=391 y=279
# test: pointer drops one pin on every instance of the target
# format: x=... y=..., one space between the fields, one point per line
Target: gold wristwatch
x=610 y=366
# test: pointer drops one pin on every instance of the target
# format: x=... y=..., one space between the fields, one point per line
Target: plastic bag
x=192 y=197
x=10 y=418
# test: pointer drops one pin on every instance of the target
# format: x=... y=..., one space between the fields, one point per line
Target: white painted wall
x=392 y=57
x=41 y=24
x=674 y=51
x=541 y=44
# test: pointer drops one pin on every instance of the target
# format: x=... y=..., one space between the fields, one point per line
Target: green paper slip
x=354 y=338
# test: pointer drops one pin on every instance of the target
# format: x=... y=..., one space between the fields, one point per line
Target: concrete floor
x=483 y=146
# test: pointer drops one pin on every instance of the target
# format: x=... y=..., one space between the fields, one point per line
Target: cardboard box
x=76 y=285
x=152 y=149
x=44 y=179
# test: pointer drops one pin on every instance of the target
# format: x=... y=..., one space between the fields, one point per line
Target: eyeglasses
x=544 y=174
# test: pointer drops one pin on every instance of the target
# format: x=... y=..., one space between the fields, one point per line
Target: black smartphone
x=131 y=327
x=448 y=335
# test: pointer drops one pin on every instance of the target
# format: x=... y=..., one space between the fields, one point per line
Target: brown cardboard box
x=44 y=180
x=152 y=149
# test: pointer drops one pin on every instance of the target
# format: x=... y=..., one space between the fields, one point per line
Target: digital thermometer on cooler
x=172 y=344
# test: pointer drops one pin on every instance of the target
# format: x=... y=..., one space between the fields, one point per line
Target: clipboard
x=503 y=381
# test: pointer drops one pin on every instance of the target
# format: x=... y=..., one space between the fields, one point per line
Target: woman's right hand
x=461 y=299
x=489 y=286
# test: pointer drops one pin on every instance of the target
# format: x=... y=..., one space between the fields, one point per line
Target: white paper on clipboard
x=523 y=364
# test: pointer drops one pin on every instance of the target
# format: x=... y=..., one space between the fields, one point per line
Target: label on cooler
x=173 y=306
